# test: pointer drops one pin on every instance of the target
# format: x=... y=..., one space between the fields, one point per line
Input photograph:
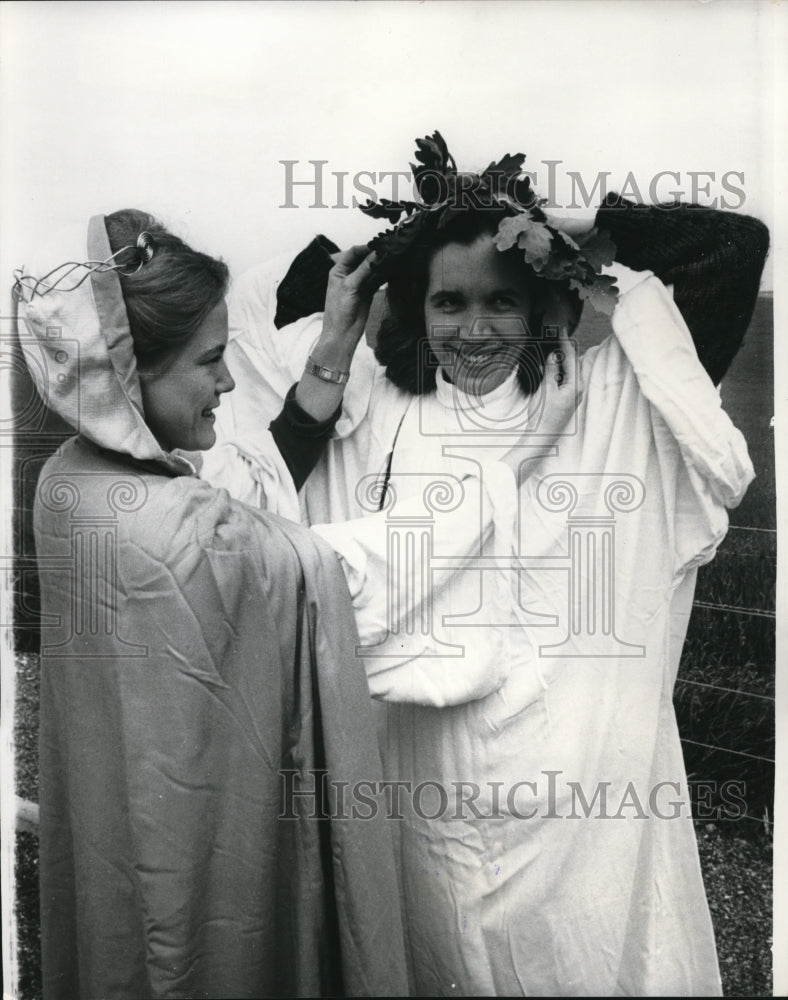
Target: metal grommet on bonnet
x=145 y=247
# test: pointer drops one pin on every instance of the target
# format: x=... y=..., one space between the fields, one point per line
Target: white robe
x=526 y=655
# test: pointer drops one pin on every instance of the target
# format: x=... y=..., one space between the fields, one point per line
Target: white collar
x=498 y=403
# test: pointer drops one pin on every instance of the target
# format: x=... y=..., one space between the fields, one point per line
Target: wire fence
x=746 y=716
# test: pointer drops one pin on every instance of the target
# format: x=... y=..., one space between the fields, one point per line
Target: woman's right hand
x=352 y=283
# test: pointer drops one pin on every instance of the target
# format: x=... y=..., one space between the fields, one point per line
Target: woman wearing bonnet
x=198 y=662
x=531 y=696
x=193 y=649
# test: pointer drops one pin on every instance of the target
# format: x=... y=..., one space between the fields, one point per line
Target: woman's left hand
x=563 y=391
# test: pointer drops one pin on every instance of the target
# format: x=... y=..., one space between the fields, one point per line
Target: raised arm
x=713 y=260
x=352 y=282
x=340 y=286
x=313 y=405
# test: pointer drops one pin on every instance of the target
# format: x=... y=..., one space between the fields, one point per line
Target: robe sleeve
x=385 y=601
x=251 y=468
x=301 y=438
x=685 y=404
x=713 y=260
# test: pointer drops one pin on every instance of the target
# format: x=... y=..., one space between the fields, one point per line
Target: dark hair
x=402 y=346
x=169 y=297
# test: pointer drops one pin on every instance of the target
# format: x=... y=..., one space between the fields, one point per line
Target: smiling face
x=180 y=396
x=476 y=313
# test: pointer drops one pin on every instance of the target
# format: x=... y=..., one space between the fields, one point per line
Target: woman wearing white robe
x=550 y=849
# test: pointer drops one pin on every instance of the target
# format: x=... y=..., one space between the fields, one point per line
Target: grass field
x=724 y=699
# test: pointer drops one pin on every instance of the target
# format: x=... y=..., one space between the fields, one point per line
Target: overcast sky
x=186 y=110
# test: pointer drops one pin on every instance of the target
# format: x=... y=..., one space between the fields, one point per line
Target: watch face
x=326 y=374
